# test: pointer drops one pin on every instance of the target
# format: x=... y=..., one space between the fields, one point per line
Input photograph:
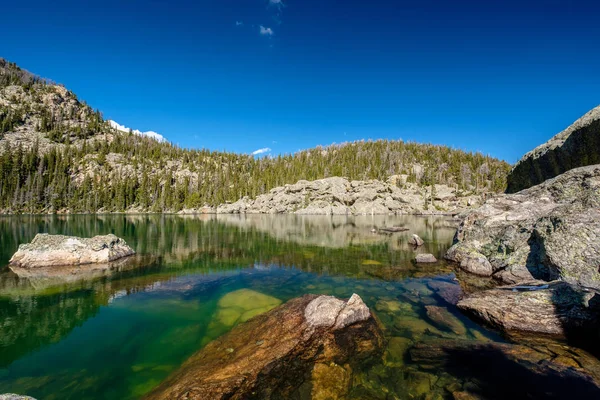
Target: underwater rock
x=500 y=370
x=445 y=320
x=556 y=308
x=58 y=250
x=12 y=396
x=396 y=351
x=450 y=292
x=236 y=307
x=311 y=340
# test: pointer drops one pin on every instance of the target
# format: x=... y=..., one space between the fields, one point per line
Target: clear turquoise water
x=116 y=336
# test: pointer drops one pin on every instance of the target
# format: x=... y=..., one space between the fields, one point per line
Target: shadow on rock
x=502 y=371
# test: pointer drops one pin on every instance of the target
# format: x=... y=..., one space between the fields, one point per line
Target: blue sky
x=240 y=75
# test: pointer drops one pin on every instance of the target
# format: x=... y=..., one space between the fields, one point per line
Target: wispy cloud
x=266 y=31
x=276 y=2
x=122 y=128
x=261 y=151
x=239 y=23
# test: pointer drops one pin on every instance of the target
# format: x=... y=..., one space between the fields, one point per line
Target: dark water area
x=117 y=334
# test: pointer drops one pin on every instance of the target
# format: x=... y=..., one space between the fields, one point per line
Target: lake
x=118 y=335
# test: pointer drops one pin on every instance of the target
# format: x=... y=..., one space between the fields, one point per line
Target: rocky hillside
x=339 y=196
x=58 y=155
x=576 y=146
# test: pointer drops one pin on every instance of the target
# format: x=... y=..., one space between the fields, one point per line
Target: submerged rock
x=237 y=307
x=448 y=291
x=12 y=396
x=425 y=258
x=550 y=231
x=309 y=345
x=576 y=146
x=505 y=371
x=556 y=308
x=57 y=250
x=446 y=320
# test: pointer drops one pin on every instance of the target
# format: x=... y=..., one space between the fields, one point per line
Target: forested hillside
x=57 y=154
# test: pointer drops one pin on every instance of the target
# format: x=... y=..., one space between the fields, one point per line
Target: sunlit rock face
x=339 y=196
x=550 y=231
x=306 y=347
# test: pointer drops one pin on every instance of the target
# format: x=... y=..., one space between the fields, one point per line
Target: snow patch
x=150 y=134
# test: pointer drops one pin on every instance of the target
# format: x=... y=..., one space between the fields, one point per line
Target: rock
x=310 y=346
x=58 y=250
x=446 y=320
x=550 y=231
x=476 y=264
x=504 y=371
x=12 y=396
x=338 y=196
x=236 y=307
x=576 y=146
x=415 y=240
x=393 y=229
x=448 y=291
x=425 y=258
x=396 y=351
x=556 y=308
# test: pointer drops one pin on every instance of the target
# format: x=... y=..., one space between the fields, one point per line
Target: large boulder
x=576 y=146
x=555 y=308
x=58 y=250
x=550 y=231
x=305 y=348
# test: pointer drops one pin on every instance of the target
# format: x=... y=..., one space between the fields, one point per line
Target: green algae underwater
x=118 y=334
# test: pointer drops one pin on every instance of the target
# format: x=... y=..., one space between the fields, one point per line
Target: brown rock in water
x=308 y=345
x=58 y=250
x=445 y=320
x=425 y=259
x=556 y=308
x=448 y=291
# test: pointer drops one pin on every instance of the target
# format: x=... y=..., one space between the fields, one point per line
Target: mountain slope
x=59 y=155
x=576 y=146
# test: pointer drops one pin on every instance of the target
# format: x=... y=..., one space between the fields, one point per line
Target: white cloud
x=261 y=151
x=151 y=134
x=266 y=31
x=238 y=23
x=276 y=2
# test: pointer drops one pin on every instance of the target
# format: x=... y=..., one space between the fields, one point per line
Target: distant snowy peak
x=151 y=134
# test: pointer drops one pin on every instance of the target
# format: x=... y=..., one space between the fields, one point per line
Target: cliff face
x=576 y=146
x=339 y=196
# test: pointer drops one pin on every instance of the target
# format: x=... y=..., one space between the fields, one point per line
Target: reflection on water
x=118 y=334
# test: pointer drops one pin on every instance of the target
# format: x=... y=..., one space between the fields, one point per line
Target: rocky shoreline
x=542 y=242
x=339 y=196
